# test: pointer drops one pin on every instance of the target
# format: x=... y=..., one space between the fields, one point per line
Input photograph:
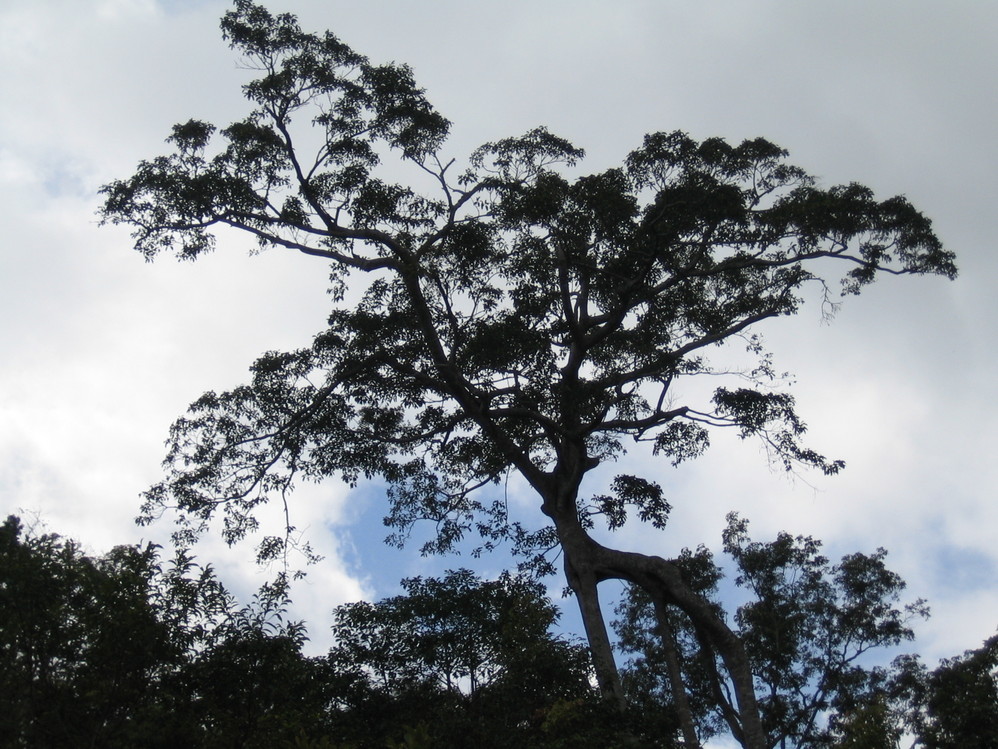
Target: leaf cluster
x=124 y=650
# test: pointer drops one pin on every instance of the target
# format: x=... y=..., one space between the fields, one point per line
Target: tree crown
x=513 y=319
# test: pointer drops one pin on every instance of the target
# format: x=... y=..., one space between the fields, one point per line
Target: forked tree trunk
x=590 y=563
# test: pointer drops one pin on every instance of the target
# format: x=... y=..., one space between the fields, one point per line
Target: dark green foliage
x=807 y=627
x=80 y=643
x=122 y=651
x=871 y=723
x=954 y=706
x=256 y=689
x=475 y=660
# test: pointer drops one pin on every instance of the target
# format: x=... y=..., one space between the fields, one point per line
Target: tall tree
x=513 y=319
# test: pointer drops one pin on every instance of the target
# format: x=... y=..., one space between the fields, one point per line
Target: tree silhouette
x=807 y=625
x=954 y=705
x=124 y=650
x=474 y=661
x=513 y=319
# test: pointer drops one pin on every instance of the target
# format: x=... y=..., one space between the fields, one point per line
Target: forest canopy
x=132 y=648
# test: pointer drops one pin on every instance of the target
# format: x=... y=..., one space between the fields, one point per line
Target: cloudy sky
x=100 y=351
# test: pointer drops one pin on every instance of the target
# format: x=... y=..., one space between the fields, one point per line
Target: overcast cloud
x=100 y=351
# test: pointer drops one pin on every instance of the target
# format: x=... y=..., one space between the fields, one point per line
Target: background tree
x=870 y=723
x=954 y=705
x=122 y=651
x=807 y=626
x=511 y=320
x=474 y=661
x=119 y=650
x=81 y=647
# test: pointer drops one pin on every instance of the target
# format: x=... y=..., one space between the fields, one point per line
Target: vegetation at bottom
x=127 y=649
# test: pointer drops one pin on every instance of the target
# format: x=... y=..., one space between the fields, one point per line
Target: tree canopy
x=956 y=704
x=124 y=650
x=808 y=627
x=512 y=317
x=473 y=660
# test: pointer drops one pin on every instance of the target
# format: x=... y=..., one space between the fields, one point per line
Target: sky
x=100 y=351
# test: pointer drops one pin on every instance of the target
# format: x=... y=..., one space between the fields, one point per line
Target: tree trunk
x=588 y=563
x=675 y=673
x=601 y=650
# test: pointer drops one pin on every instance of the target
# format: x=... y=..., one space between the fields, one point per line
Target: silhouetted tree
x=807 y=627
x=870 y=723
x=513 y=319
x=81 y=646
x=474 y=660
x=121 y=651
x=954 y=705
x=255 y=688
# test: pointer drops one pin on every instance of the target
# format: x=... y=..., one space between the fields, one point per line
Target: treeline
x=127 y=649
x=130 y=650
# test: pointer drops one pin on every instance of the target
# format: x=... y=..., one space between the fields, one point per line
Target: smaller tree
x=476 y=658
x=255 y=688
x=807 y=626
x=81 y=645
x=871 y=724
x=954 y=706
x=120 y=650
